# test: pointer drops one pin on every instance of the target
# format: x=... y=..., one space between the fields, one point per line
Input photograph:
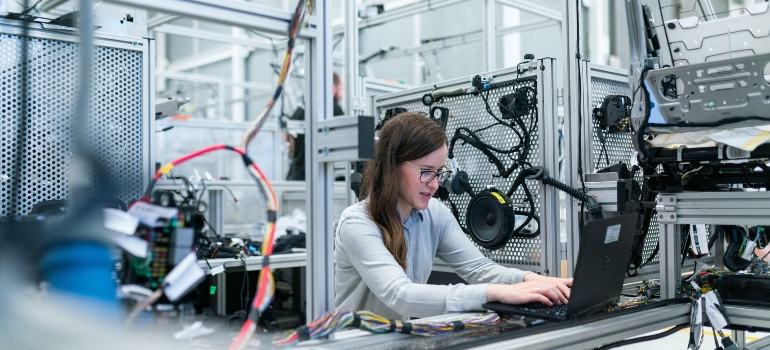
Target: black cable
x=578 y=57
x=645 y=338
x=603 y=141
x=245 y=286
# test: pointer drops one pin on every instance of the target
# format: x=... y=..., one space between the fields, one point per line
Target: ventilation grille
x=115 y=130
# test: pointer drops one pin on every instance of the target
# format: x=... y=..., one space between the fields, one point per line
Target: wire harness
x=301 y=15
x=266 y=282
x=333 y=321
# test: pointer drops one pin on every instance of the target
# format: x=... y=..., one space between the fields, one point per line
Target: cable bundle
x=304 y=9
x=332 y=321
x=706 y=280
x=649 y=290
x=266 y=283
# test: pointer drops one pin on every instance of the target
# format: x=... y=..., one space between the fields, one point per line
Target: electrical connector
x=728 y=344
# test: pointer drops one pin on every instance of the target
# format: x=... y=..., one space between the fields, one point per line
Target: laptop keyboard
x=557 y=311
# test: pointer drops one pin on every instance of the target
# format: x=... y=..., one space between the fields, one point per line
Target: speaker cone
x=490 y=219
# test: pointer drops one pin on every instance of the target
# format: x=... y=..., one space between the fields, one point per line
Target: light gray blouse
x=369 y=278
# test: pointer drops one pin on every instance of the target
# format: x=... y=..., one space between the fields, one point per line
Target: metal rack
x=318 y=96
x=119 y=126
x=540 y=253
x=598 y=82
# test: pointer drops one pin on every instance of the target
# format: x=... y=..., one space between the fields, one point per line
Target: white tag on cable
x=699 y=239
x=183 y=277
x=748 y=251
x=695 y=285
x=217 y=270
x=152 y=215
x=716 y=317
x=119 y=221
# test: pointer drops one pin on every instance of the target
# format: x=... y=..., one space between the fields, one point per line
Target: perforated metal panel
x=470 y=111
x=617 y=147
x=115 y=131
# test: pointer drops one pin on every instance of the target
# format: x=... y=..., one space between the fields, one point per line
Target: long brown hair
x=407 y=136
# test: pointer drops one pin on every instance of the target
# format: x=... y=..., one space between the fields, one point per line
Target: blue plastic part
x=83 y=269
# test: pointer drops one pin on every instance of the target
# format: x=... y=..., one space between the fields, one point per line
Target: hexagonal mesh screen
x=470 y=111
x=617 y=147
x=115 y=130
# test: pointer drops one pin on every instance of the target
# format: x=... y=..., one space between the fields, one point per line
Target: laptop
x=599 y=274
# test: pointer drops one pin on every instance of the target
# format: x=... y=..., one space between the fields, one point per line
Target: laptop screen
x=605 y=248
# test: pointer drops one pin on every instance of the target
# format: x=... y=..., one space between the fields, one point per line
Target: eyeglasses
x=427 y=176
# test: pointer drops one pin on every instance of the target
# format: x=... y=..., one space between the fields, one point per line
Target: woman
x=385 y=244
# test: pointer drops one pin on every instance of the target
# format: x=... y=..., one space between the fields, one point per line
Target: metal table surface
x=586 y=333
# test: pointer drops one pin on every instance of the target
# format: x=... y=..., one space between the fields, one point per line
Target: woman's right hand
x=548 y=291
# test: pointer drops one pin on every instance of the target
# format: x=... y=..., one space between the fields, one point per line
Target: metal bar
x=212 y=36
x=320 y=206
x=572 y=69
x=549 y=196
x=762 y=343
x=739 y=338
x=220 y=281
x=254 y=263
x=465 y=39
x=215 y=213
x=489 y=35
x=533 y=8
x=351 y=59
x=148 y=103
x=748 y=316
x=200 y=78
x=405 y=11
x=230 y=12
x=159 y=19
x=670 y=271
x=198 y=60
x=599 y=333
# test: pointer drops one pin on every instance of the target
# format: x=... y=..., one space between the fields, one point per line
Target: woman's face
x=411 y=192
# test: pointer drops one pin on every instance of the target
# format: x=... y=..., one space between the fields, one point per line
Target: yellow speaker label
x=499 y=197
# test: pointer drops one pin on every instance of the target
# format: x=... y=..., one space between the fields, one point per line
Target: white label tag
x=613 y=233
x=183 y=277
x=699 y=239
x=716 y=318
x=695 y=285
x=748 y=251
x=152 y=215
x=217 y=270
x=120 y=221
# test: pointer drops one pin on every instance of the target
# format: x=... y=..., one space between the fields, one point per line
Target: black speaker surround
x=490 y=219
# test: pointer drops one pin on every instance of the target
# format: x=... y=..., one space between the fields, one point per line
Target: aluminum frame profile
x=345 y=139
x=320 y=259
x=547 y=124
x=723 y=208
x=571 y=165
x=230 y=12
x=599 y=333
x=319 y=274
